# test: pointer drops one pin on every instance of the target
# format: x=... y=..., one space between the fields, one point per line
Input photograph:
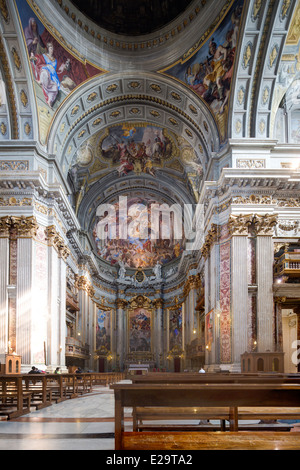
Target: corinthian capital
x=25 y=227
x=5 y=226
x=239 y=224
x=264 y=224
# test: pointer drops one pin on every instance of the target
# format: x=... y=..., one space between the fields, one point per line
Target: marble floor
x=84 y=423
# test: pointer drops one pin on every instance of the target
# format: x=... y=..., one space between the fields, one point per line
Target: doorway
x=177 y=364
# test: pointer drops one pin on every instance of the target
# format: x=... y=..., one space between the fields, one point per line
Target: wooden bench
x=14 y=401
x=231 y=396
x=152 y=414
x=177 y=441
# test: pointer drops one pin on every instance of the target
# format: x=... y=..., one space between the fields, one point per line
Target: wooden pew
x=232 y=396
x=14 y=401
x=177 y=441
x=141 y=414
x=41 y=393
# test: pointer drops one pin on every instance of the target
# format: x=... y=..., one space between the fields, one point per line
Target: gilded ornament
x=3 y=128
x=285 y=8
x=256 y=9
x=75 y=110
x=155 y=114
x=173 y=122
x=193 y=109
x=17 y=59
x=247 y=55
x=273 y=56
x=4 y=11
x=24 y=98
x=97 y=122
x=27 y=128
x=241 y=95
x=155 y=87
x=175 y=96
x=92 y=97
x=111 y=88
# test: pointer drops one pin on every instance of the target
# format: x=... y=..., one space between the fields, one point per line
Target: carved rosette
x=210 y=239
x=57 y=242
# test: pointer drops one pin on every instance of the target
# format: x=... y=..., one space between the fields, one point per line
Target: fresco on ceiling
x=140 y=330
x=133 y=149
x=56 y=71
x=137 y=149
x=103 y=327
x=209 y=71
x=175 y=328
x=286 y=98
x=138 y=250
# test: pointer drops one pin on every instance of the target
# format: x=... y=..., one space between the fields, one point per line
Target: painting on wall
x=140 y=330
x=56 y=71
x=175 y=328
x=139 y=249
x=208 y=72
x=103 y=328
x=136 y=148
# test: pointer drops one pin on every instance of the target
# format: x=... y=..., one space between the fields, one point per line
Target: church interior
x=149 y=209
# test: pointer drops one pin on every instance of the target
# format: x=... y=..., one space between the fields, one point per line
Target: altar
x=138 y=369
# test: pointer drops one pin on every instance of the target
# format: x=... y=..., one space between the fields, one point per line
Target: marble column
x=265 y=257
x=121 y=331
x=158 y=330
x=239 y=297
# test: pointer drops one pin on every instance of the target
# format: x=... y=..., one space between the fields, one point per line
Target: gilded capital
x=121 y=304
x=238 y=225
x=264 y=224
x=158 y=303
x=5 y=226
